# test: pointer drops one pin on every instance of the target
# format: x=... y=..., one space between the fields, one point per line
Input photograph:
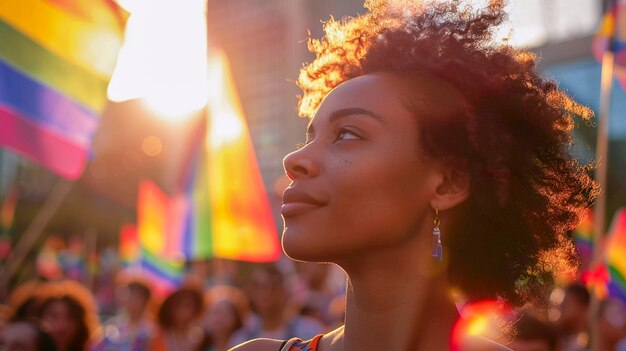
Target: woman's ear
x=453 y=190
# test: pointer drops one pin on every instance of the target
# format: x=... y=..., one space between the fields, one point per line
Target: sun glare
x=225 y=112
x=163 y=60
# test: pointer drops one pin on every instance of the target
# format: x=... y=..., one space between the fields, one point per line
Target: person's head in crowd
x=227 y=310
x=181 y=308
x=574 y=309
x=267 y=291
x=611 y=323
x=65 y=319
x=533 y=333
x=135 y=299
x=25 y=300
x=25 y=335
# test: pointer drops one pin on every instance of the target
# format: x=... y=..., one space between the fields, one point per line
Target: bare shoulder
x=258 y=345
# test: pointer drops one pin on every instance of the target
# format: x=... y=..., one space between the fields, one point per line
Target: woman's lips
x=297 y=201
x=291 y=209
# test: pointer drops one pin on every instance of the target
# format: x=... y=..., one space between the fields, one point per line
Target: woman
x=178 y=321
x=68 y=312
x=427 y=138
x=66 y=320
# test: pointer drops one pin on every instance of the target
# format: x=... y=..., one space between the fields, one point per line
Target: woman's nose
x=299 y=164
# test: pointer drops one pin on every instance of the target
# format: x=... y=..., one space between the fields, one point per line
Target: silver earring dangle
x=437 y=248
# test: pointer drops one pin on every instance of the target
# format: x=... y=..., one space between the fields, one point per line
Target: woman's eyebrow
x=354 y=111
x=344 y=112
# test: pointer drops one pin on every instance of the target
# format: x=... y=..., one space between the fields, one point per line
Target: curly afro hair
x=513 y=135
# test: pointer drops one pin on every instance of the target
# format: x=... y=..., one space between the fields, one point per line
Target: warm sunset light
x=479 y=319
x=163 y=60
x=225 y=111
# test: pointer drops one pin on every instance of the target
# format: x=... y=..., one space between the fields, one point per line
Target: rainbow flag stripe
x=56 y=57
x=229 y=215
x=154 y=250
x=616 y=255
x=583 y=237
x=129 y=250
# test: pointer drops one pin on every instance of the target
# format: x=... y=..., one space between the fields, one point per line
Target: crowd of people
x=269 y=303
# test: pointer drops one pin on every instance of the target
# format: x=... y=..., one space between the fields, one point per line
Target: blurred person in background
x=572 y=322
x=313 y=292
x=178 y=321
x=611 y=325
x=132 y=328
x=25 y=300
x=227 y=308
x=533 y=333
x=23 y=335
x=271 y=318
x=68 y=312
x=65 y=319
x=436 y=161
x=336 y=312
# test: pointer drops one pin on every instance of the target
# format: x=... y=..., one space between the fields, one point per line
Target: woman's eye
x=346 y=135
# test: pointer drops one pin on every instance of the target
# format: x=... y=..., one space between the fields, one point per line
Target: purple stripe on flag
x=45 y=147
x=45 y=106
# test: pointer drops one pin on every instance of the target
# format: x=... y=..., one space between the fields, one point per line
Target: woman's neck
x=405 y=308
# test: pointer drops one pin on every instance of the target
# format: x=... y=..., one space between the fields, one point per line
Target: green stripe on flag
x=39 y=63
x=203 y=212
x=617 y=277
x=171 y=268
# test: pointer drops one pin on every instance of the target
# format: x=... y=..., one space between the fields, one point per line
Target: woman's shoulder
x=259 y=345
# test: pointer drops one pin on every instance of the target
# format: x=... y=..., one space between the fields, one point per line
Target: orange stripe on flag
x=92 y=45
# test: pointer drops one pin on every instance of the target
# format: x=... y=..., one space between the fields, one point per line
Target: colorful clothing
x=299 y=345
x=120 y=335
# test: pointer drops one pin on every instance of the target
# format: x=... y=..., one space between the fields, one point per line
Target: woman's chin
x=298 y=248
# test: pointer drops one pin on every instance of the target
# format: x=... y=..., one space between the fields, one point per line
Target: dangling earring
x=437 y=248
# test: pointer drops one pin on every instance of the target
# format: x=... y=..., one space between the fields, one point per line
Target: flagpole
x=602 y=159
x=34 y=230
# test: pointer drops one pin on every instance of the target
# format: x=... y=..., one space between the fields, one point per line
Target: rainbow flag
x=154 y=235
x=128 y=249
x=611 y=36
x=56 y=57
x=616 y=255
x=224 y=206
x=583 y=238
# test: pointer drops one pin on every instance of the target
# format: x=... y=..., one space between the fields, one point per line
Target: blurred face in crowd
x=60 y=323
x=136 y=304
x=612 y=321
x=359 y=184
x=267 y=293
x=185 y=310
x=18 y=337
x=222 y=318
x=573 y=314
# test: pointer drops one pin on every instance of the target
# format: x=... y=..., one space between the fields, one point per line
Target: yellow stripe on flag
x=92 y=43
x=152 y=212
x=243 y=226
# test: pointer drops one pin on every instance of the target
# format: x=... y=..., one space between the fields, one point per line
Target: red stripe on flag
x=45 y=147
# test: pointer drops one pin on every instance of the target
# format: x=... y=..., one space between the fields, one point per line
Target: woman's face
x=359 y=184
x=61 y=325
